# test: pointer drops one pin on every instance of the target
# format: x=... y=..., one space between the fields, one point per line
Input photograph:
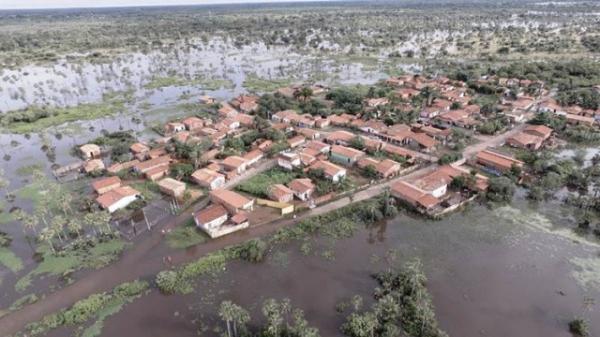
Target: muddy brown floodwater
x=507 y=271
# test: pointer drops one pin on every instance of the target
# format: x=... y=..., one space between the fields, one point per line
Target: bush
x=579 y=327
x=167 y=281
x=501 y=189
x=253 y=250
x=448 y=158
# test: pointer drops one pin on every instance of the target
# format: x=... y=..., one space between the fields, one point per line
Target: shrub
x=579 y=327
x=167 y=281
x=253 y=250
x=501 y=189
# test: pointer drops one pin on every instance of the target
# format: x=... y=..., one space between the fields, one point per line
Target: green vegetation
x=448 y=158
x=579 y=134
x=89 y=253
x=185 y=236
x=259 y=184
x=579 y=328
x=36 y=119
x=118 y=143
x=340 y=223
x=10 y=260
x=96 y=306
x=501 y=189
x=403 y=306
x=281 y=320
x=23 y=301
x=177 y=81
x=252 y=251
x=28 y=170
x=180 y=280
x=254 y=83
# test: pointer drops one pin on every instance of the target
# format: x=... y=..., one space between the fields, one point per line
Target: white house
x=208 y=178
x=288 y=160
x=211 y=218
x=117 y=198
x=302 y=188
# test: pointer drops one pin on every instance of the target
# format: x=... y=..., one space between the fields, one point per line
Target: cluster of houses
x=333 y=151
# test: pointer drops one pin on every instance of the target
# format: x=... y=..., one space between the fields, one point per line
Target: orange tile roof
x=329 y=168
x=279 y=191
x=230 y=198
x=111 y=197
x=106 y=182
x=234 y=161
x=498 y=160
x=206 y=175
x=152 y=163
x=347 y=152
x=301 y=185
x=210 y=213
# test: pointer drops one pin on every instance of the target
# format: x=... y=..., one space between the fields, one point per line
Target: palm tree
x=57 y=225
x=30 y=222
x=272 y=311
x=305 y=93
x=226 y=313
x=46 y=235
x=74 y=225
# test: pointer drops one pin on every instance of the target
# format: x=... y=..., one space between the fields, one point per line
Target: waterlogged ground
x=215 y=66
x=509 y=271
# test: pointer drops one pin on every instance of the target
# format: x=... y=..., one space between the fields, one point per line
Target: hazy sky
x=28 y=4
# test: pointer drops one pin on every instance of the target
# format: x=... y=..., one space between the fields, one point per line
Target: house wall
x=121 y=203
x=220 y=181
x=215 y=224
x=440 y=191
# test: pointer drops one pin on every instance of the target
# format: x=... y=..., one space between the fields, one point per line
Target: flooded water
x=500 y=272
x=69 y=83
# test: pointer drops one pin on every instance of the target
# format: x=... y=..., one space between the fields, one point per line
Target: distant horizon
x=67 y=4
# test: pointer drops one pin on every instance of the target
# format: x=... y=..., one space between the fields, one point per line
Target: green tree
x=360 y=325
x=234 y=316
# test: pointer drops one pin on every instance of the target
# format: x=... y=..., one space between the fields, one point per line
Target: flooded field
x=509 y=271
x=216 y=68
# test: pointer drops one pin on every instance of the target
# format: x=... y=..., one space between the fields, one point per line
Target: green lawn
x=259 y=184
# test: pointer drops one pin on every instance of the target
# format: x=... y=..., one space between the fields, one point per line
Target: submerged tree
x=234 y=316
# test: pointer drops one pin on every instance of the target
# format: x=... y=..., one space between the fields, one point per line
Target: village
x=237 y=169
